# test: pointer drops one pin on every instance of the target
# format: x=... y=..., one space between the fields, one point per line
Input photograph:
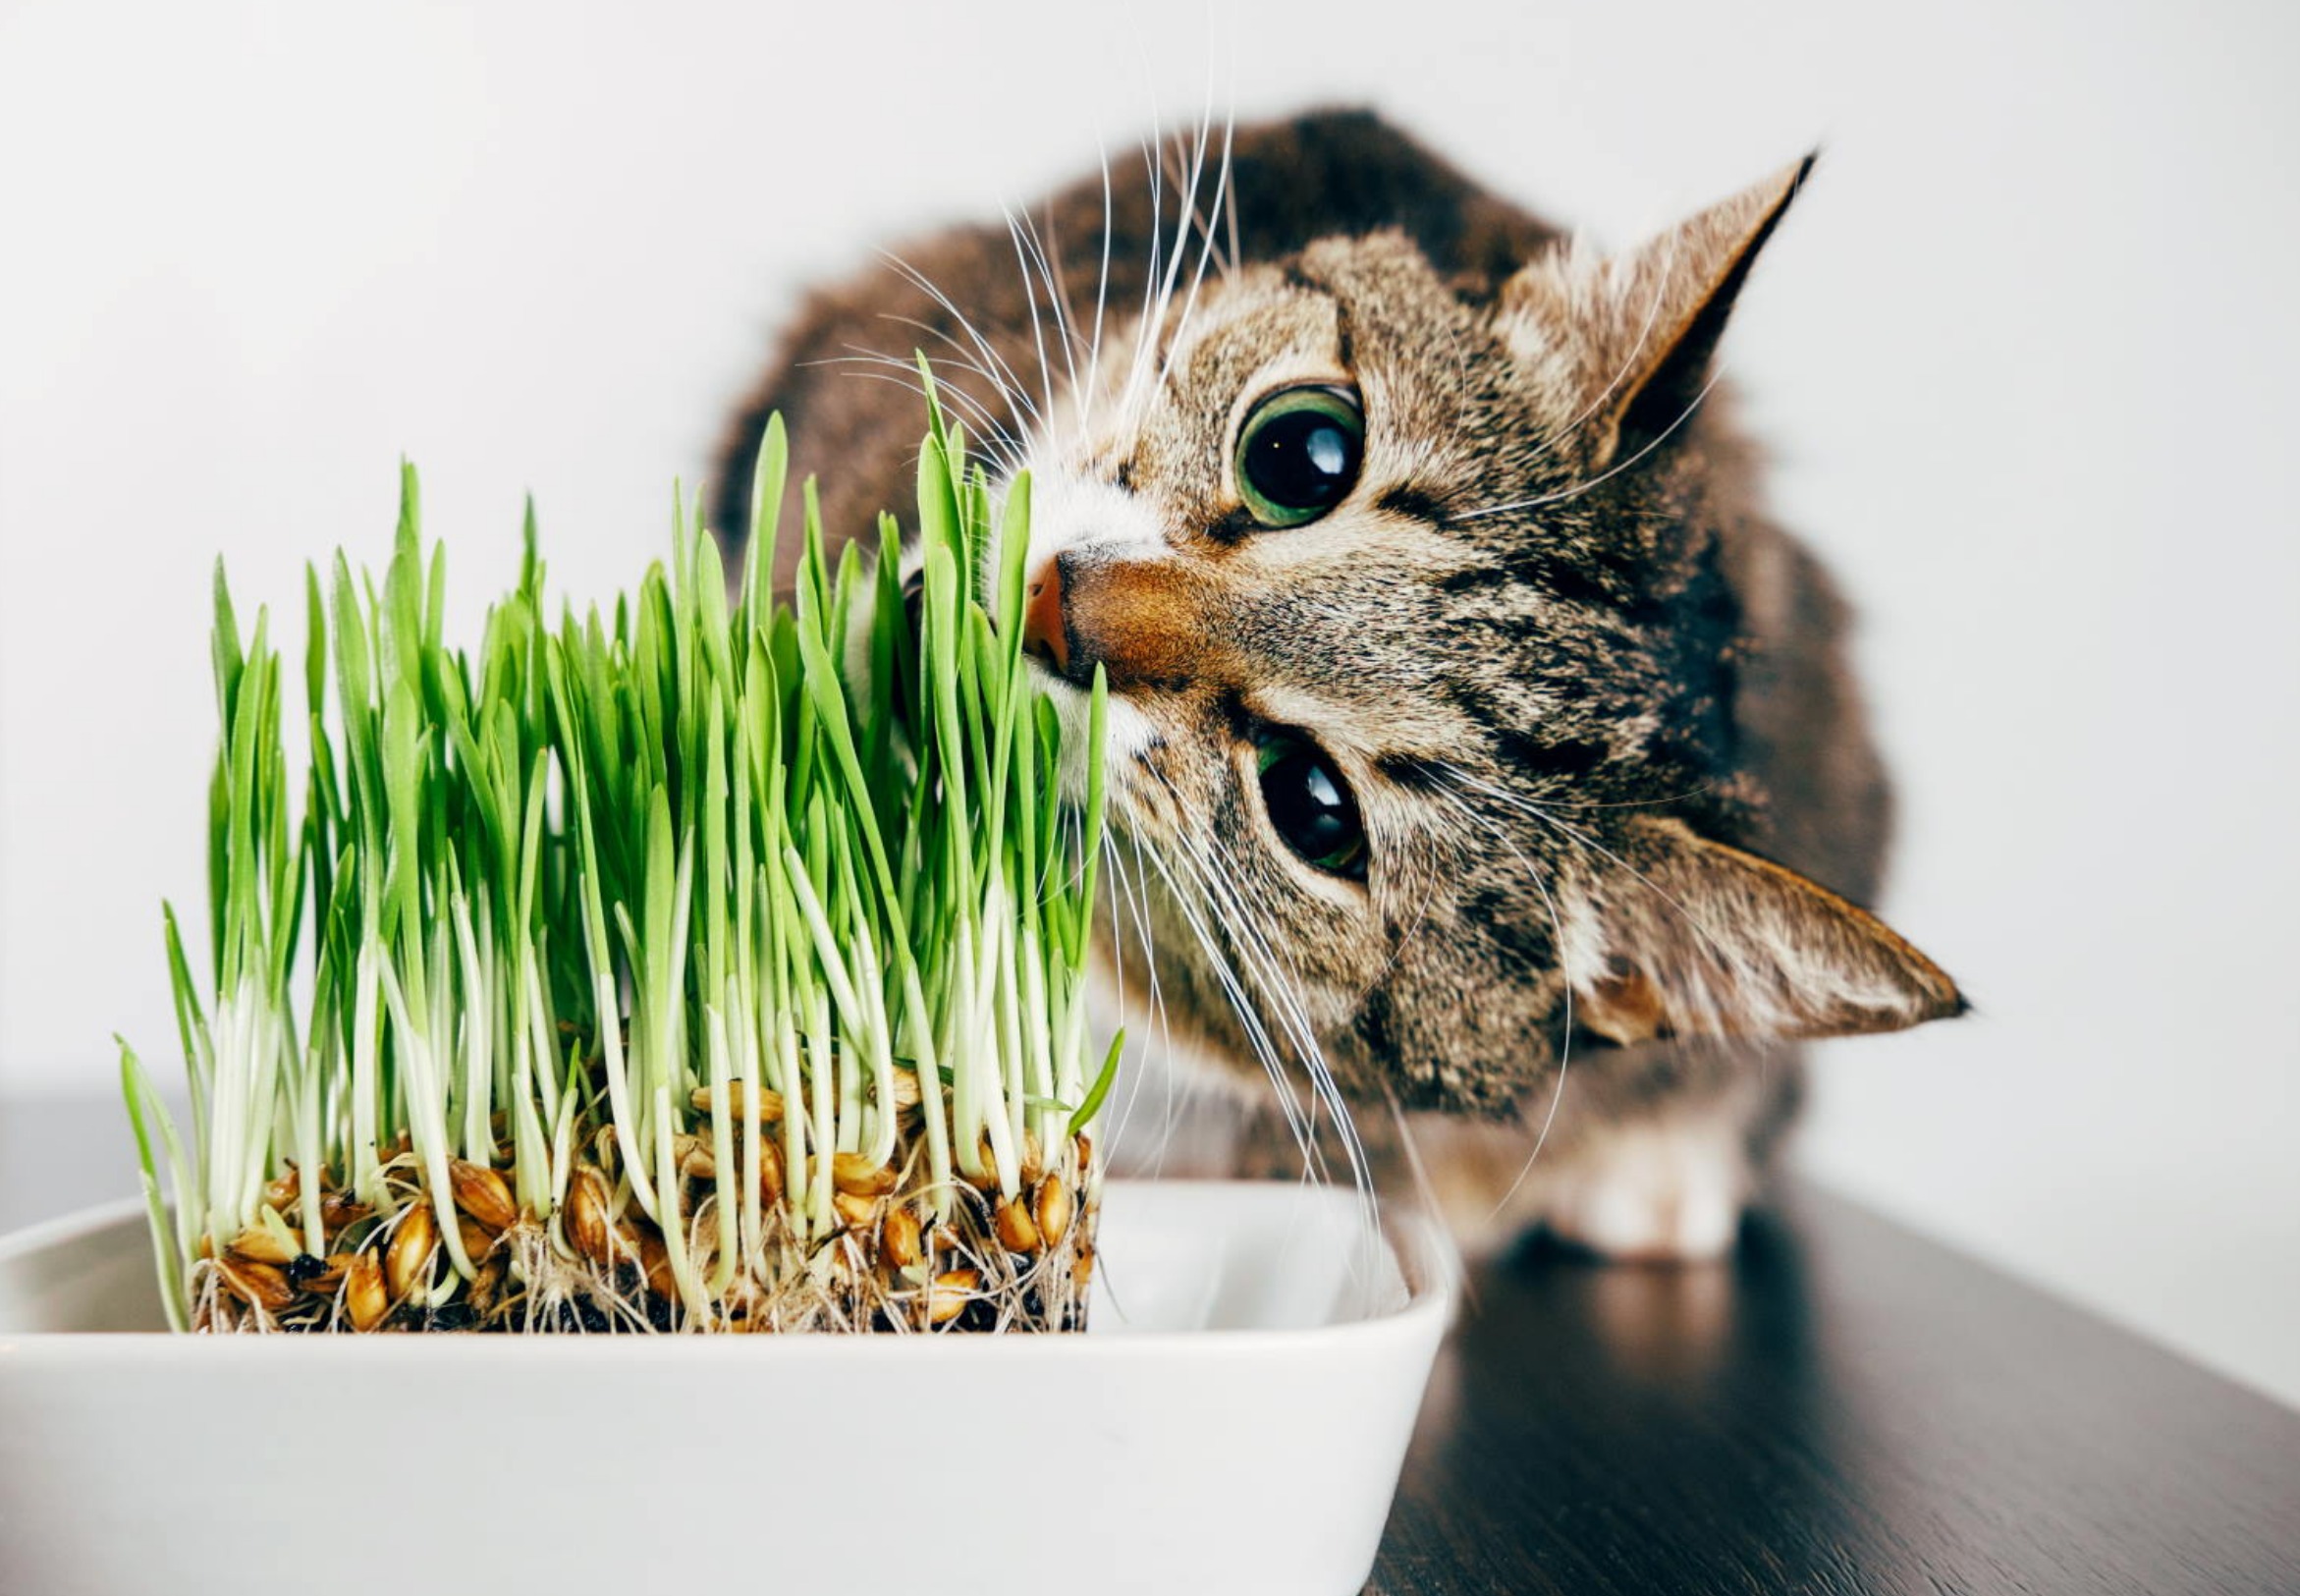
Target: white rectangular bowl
x=1235 y=1420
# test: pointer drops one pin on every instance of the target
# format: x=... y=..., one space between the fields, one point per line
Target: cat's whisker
x=1010 y=385
x=993 y=438
x=1616 y=470
x=1229 y=140
x=1037 y=330
x=1163 y=281
x=1201 y=911
x=1145 y=329
x=1047 y=251
x=1533 y=873
x=1326 y=1091
x=1692 y=989
x=1281 y=989
x=912 y=384
x=1301 y=1120
x=1115 y=889
x=1136 y=897
x=1471 y=783
x=1133 y=894
x=1248 y=1018
x=1628 y=363
x=1101 y=289
x=993 y=423
x=1187 y=219
x=994 y=366
x=1203 y=222
x=959 y=356
x=1134 y=399
x=1417 y=1171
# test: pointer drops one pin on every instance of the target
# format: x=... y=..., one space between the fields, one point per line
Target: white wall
x=2025 y=352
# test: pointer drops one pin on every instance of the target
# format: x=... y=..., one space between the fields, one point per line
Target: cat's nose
x=1144 y=622
x=1043 y=626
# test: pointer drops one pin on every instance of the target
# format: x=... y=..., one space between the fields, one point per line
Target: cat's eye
x=1310 y=807
x=1299 y=453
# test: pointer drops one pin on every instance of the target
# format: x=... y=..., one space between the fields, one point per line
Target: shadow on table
x=1596 y=1426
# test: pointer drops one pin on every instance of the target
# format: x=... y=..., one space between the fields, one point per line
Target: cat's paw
x=1653 y=1192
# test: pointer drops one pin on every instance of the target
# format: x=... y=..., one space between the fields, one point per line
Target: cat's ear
x=1681 y=936
x=1640 y=330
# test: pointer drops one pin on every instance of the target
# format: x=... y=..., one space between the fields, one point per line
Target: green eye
x=1299 y=453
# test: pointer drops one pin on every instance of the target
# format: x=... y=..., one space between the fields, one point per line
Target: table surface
x=1845 y=1407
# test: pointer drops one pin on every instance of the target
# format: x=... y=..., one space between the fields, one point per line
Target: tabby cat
x=1477 y=744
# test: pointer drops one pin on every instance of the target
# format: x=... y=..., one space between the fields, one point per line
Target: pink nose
x=1042 y=618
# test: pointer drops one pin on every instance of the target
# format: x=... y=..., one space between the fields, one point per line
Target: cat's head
x=1423 y=627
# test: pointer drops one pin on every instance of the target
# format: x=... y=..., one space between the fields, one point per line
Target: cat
x=1478 y=748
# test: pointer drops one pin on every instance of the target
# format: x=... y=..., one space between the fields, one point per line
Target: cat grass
x=696 y=966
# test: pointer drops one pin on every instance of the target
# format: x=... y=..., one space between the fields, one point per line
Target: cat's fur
x=1591 y=701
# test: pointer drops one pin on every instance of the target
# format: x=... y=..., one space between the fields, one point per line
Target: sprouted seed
x=681 y=967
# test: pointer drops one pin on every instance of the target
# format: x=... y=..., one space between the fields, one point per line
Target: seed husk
x=1017 y=1231
x=339 y=1209
x=258 y=1285
x=606 y=1153
x=364 y=1299
x=738 y=1303
x=899 y=1237
x=907 y=1092
x=407 y=1260
x=655 y=1261
x=586 y=1216
x=477 y=1242
x=280 y=1193
x=329 y=1277
x=988 y=1180
x=482 y=1195
x=949 y=1293
x=744 y=1101
x=1054 y=1210
x=698 y=1163
x=1033 y=1158
x=487 y=1285
x=770 y=1172
x=256 y=1244
x=858 y=1175
x=854 y=1209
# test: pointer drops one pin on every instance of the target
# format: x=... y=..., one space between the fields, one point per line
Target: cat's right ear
x=1630 y=338
x=1676 y=935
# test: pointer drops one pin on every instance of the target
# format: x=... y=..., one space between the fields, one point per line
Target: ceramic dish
x=1235 y=1420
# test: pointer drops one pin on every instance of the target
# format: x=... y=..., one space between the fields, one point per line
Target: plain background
x=2024 y=353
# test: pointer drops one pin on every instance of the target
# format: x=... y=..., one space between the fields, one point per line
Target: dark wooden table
x=1844 y=1407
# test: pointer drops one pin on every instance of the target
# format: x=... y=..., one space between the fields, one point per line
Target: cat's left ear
x=1638 y=332
x=1681 y=936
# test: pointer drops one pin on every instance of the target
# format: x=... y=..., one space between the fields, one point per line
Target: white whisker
x=1533 y=873
x=1607 y=475
x=1629 y=362
x=1009 y=384
x=1220 y=882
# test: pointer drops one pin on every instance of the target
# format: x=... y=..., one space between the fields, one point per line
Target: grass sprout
x=717 y=963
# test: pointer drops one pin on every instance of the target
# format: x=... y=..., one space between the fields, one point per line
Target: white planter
x=1235 y=1421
